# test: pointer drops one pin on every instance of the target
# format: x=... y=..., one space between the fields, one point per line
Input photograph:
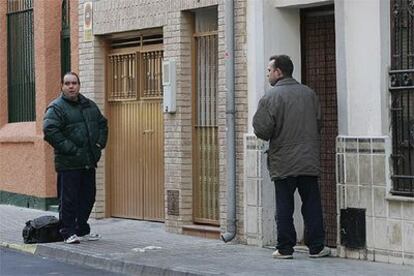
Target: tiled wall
x=259 y=193
x=363 y=181
x=259 y=201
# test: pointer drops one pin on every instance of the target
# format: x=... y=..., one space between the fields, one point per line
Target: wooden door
x=135 y=155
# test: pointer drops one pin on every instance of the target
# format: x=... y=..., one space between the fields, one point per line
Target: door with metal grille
x=205 y=129
x=135 y=156
x=319 y=73
x=402 y=96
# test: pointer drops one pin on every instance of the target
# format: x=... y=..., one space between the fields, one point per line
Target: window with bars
x=152 y=62
x=123 y=81
x=134 y=68
x=401 y=87
x=205 y=145
x=20 y=59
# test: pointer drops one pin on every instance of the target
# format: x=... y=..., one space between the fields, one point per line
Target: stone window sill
x=24 y=132
x=390 y=197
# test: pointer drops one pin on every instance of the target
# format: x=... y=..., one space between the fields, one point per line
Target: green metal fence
x=20 y=50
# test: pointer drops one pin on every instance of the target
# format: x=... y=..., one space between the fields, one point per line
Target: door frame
x=315 y=12
x=139 y=50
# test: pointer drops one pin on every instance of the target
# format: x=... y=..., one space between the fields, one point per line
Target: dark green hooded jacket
x=77 y=131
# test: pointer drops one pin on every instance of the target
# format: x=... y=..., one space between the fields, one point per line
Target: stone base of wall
x=173 y=226
x=363 y=181
x=376 y=255
x=259 y=200
x=27 y=201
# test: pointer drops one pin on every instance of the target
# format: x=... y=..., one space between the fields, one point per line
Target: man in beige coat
x=288 y=116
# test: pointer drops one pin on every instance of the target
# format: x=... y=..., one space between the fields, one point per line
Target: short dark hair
x=70 y=73
x=284 y=63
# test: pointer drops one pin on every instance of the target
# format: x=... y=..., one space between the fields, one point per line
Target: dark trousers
x=76 y=192
x=308 y=189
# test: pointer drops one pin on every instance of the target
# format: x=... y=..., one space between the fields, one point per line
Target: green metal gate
x=20 y=52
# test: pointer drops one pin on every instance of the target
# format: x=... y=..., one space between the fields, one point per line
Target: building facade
x=158 y=71
x=38 y=41
x=356 y=55
x=165 y=166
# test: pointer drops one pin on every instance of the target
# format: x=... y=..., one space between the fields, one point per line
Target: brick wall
x=3 y=63
x=240 y=90
x=91 y=73
x=74 y=35
x=176 y=19
x=178 y=131
x=240 y=43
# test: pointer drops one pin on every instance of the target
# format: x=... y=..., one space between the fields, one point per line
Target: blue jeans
x=308 y=188
x=76 y=192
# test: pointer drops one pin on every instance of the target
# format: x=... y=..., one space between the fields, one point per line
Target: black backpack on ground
x=42 y=229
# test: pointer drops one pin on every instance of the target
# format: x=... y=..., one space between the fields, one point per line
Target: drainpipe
x=230 y=112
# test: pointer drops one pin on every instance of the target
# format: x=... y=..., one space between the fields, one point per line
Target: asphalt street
x=13 y=263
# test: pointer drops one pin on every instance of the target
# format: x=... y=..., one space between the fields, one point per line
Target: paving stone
x=133 y=247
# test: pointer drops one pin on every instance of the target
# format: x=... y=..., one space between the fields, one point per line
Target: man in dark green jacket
x=77 y=130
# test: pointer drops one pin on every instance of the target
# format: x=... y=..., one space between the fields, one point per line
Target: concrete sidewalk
x=145 y=248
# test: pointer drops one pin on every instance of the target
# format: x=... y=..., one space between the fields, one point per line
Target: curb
x=107 y=264
x=27 y=248
x=102 y=263
x=112 y=265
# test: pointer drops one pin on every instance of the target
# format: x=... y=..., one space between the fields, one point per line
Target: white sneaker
x=278 y=255
x=326 y=251
x=72 y=239
x=90 y=237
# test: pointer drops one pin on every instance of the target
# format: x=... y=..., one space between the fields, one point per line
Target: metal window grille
x=152 y=62
x=20 y=54
x=123 y=77
x=138 y=39
x=401 y=87
x=124 y=71
x=134 y=66
x=206 y=185
x=65 y=38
